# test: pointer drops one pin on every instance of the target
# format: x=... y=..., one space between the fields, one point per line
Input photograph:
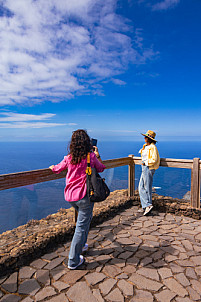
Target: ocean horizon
x=19 y=205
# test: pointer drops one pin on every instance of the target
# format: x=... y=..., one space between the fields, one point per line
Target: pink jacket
x=76 y=187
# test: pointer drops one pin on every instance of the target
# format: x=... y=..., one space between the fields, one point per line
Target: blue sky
x=115 y=68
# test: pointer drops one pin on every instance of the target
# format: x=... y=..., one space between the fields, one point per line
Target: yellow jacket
x=152 y=155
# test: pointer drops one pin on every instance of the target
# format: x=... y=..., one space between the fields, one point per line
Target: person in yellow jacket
x=150 y=162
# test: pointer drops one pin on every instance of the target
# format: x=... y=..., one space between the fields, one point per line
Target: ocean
x=19 y=205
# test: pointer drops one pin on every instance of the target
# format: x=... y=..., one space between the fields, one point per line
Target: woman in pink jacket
x=76 y=190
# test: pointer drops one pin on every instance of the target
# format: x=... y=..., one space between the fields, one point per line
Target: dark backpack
x=97 y=190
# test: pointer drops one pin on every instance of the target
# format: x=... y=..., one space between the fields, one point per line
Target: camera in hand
x=94 y=142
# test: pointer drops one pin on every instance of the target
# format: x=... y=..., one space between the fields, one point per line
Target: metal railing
x=14 y=180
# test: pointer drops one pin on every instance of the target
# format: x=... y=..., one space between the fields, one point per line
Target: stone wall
x=22 y=245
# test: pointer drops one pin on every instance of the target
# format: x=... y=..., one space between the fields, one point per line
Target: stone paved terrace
x=131 y=258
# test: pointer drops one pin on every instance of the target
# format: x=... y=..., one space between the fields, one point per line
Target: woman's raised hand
x=96 y=151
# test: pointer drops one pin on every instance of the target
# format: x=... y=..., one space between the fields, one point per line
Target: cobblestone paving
x=131 y=258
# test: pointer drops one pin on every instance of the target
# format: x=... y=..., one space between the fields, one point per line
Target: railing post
x=131 y=177
x=195 y=183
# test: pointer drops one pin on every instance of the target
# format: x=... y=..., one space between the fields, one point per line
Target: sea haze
x=19 y=205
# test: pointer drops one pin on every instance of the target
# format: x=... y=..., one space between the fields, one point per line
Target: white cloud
x=29 y=125
x=118 y=82
x=17 y=117
x=17 y=120
x=166 y=4
x=160 y=5
x=52 y=50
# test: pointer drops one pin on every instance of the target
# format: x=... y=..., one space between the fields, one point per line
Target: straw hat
x=150 y=134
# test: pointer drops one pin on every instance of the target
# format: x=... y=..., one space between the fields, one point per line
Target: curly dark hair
x=79 y=147
x=151 y=140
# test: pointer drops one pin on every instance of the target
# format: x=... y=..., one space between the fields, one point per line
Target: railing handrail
x=19 y=179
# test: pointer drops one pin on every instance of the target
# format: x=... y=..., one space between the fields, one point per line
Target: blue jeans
x=84 y=207
x=145 y=186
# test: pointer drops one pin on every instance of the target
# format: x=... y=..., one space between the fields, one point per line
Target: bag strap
x=88 y=169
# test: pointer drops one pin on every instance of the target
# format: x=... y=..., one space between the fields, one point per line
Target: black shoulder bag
x=97 y=189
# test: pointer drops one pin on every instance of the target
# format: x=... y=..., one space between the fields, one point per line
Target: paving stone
x=142 y=296
x=103 y=258
x=129 y=269
x=144 y=283
x=43 y=277
x=183 y=256
x=54 y=263
x=185 y=263
x=125 y=241
x=148 y=224
x=146 y=261
x=178 y=299
x=176 y=268
x=182 y=279
x=64 y=254
x=73 y=276
x=165 y=296
x=58 y=272
x=26 y=272
x=122 y=276
x=159 y=264
x=115 y=296
x=193 y=294
x=92 y=265
x=165 y=272
x=149 y=237
x=80 y=292
x=60 y=249
x=196 y=286
x=198 y=270
x=94 y=278
x=3 y=279
x=125 y=255
x=97 y=295
x=157 y=255
x=149 y=249
x=112 y=270
x=187 y=244
x=149 y=273
x=10 y=284
x=10 y=298
x=59 y=285
x=29 y=287
x=105 y=243
x=196 y=260
x=170 y=250
x=131 y=248
x=59 y=298
x=175 y=287
x=46 y=292
x=126 y=288
x=106 y=286
x=170 y=258
x=39 y=263
x=190 y=273
x=197 y=248
x=99 y=268
x=133 y=260
x=118 y=262
x=28 y=299
x=50 y=256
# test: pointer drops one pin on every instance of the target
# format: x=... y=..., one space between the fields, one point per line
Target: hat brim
x=149 y=137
